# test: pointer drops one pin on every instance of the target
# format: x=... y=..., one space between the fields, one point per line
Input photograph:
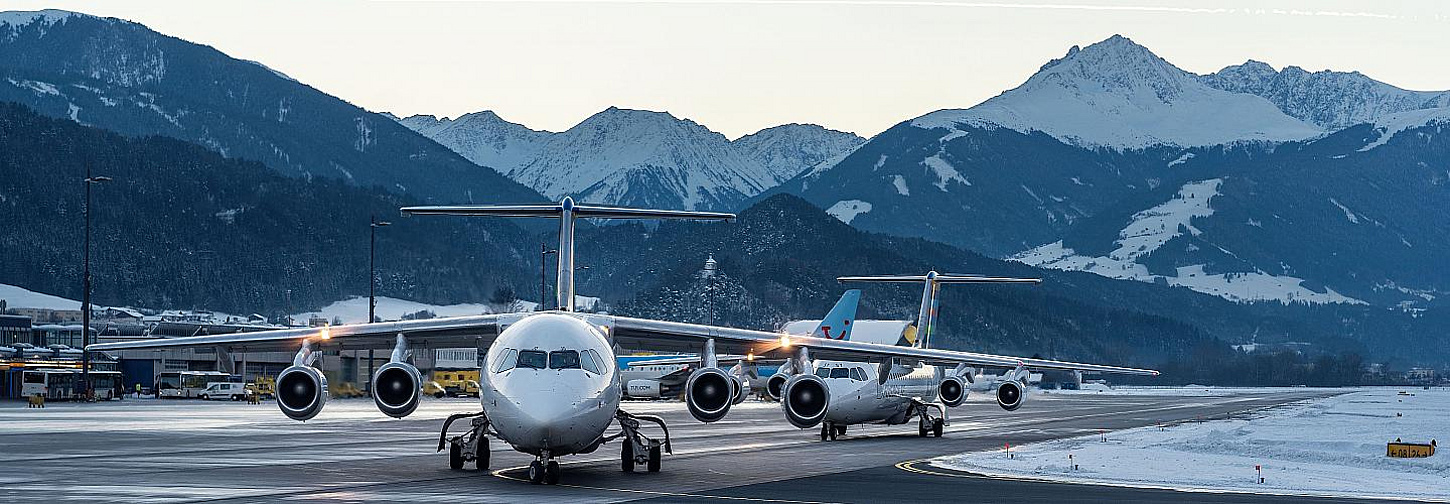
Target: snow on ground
x=1392 y=124
x=847 y=210
x=1150 y=229
x=16 y=297
x=1333 y=447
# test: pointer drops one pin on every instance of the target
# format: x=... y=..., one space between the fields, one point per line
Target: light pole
x=86 y=287
x=372 y=288
x=544 y=252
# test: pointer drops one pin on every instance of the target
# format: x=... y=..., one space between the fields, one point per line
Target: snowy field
x=1328 y=447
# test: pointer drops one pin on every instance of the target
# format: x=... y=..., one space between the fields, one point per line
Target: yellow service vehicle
x=346 y=390
x=265 y=387
x=454 y=383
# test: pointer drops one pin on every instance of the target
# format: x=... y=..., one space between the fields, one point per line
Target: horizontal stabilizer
x=939 y=278
x=556 y=210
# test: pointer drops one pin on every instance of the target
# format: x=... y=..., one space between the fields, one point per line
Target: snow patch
x=1181 y=159
x=18 y=297
x=1347 y=213
x=944 y=172
x=40 y=88
x=847 y=210
x=1390 y=125
x=1333 y=446
x=900 y=183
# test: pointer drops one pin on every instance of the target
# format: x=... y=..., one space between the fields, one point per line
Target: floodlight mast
x=567 y=211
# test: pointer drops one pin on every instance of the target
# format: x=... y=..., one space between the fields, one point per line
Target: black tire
x=455 y=456
x=482 y=454
x=936 y=426
x=536 y=472
x=840 y=430
x=203 y=397
x=236 y=398
x=626 y=456
x=825 y=432
x=551 y=473
x=438 y=395
x=921 y=429
x=654 y=459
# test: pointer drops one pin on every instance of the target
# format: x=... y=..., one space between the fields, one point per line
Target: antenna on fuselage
x=566 y=211
x=926 y=318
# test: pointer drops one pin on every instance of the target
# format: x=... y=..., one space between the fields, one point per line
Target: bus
x=187 y=384
x=53 y=384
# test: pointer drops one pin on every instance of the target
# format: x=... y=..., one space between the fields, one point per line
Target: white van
x=221 y=391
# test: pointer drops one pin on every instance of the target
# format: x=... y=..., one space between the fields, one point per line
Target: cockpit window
x=823 y=372
x=507 y=362
x=564 y=359
x=533 y=359
x=592 y=363
x=857 y=374
x=840 y=372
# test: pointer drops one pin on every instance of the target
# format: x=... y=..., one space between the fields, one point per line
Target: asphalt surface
x=190 y=451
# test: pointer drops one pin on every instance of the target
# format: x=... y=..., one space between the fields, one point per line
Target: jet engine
x=742 y=388
x=396 y=387
x=775 y=383
x=301 y=392
x=953 y=390
x=1011 y=394
x=804 y=399
x=643 y=389
x=709 y=393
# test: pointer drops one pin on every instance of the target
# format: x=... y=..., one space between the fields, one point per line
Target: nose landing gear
x=544 y=470
x=469 y=447
x=638 y=448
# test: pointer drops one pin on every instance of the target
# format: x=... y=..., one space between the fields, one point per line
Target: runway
x=190 y=451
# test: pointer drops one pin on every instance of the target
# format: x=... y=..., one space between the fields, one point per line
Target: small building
x=14 y=329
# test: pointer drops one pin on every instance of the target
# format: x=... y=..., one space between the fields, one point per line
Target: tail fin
x=926 y=318
x=837 y=324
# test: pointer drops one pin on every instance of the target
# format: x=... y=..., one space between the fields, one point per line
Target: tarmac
x=150 y=450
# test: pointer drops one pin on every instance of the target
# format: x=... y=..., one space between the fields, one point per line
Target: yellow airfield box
x=1399 y=449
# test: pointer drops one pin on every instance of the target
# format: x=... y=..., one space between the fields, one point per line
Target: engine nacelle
x=742 y=389
x=776 y=384
x=805 y=398
x=1011 y=394
x=642 y=389
x=952 y=391
x=396 y=389
x=708 y=393
x=301 y=392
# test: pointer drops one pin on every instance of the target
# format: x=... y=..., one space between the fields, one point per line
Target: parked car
x=221 y=391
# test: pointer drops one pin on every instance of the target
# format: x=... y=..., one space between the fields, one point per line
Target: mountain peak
x=1332 y=100
x=48 y=17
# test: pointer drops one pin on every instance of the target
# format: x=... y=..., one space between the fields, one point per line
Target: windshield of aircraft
x=841 y=372
x=564 y=359
x=533 y=359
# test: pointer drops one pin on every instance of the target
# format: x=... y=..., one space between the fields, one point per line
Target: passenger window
x=591 y=363
x=823 y=372
x=533 y=359
x=840 y=372
x=505 y=363
x=857 y=374
x=564 y=359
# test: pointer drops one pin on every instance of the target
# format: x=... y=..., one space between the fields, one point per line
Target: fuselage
x=550 y=385
x=857 y=397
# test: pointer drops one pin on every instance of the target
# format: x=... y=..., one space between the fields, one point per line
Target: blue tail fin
x=837 y=324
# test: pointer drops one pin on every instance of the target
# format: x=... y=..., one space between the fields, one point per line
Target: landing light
x=326 y=334
x=750 y=356
x=785 y=341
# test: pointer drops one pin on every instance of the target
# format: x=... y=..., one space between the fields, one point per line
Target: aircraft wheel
x=936 y=426
x=551 y=473
x=455 y=457
x=536 y=472
x=921 y=429
x=480 y=460
x=825 y=432
x=626 y=456
x=654 y=459
x=840 y=430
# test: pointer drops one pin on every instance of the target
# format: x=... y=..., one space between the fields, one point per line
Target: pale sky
x=737 y=66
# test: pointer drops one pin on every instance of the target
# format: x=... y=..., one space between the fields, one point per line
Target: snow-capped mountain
x=1112 y=161
x=644 y=158
x=483 y=137
x=1332 y=100
x=789 y=149
x=122 y=76
x=1118 y=94
x=622 y=156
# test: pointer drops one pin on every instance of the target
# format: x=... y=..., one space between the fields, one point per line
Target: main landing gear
x=925 y=424
x=830 y=431
x=472 y=446
x=638 y=448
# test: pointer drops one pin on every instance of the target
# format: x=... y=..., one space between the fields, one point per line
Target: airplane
x=656 y=376
x=549 y=380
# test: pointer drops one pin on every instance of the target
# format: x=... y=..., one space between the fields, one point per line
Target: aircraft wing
x=473 y=331
x=662 y=336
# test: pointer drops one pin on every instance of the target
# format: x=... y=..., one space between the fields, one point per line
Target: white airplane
x=550 y=384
